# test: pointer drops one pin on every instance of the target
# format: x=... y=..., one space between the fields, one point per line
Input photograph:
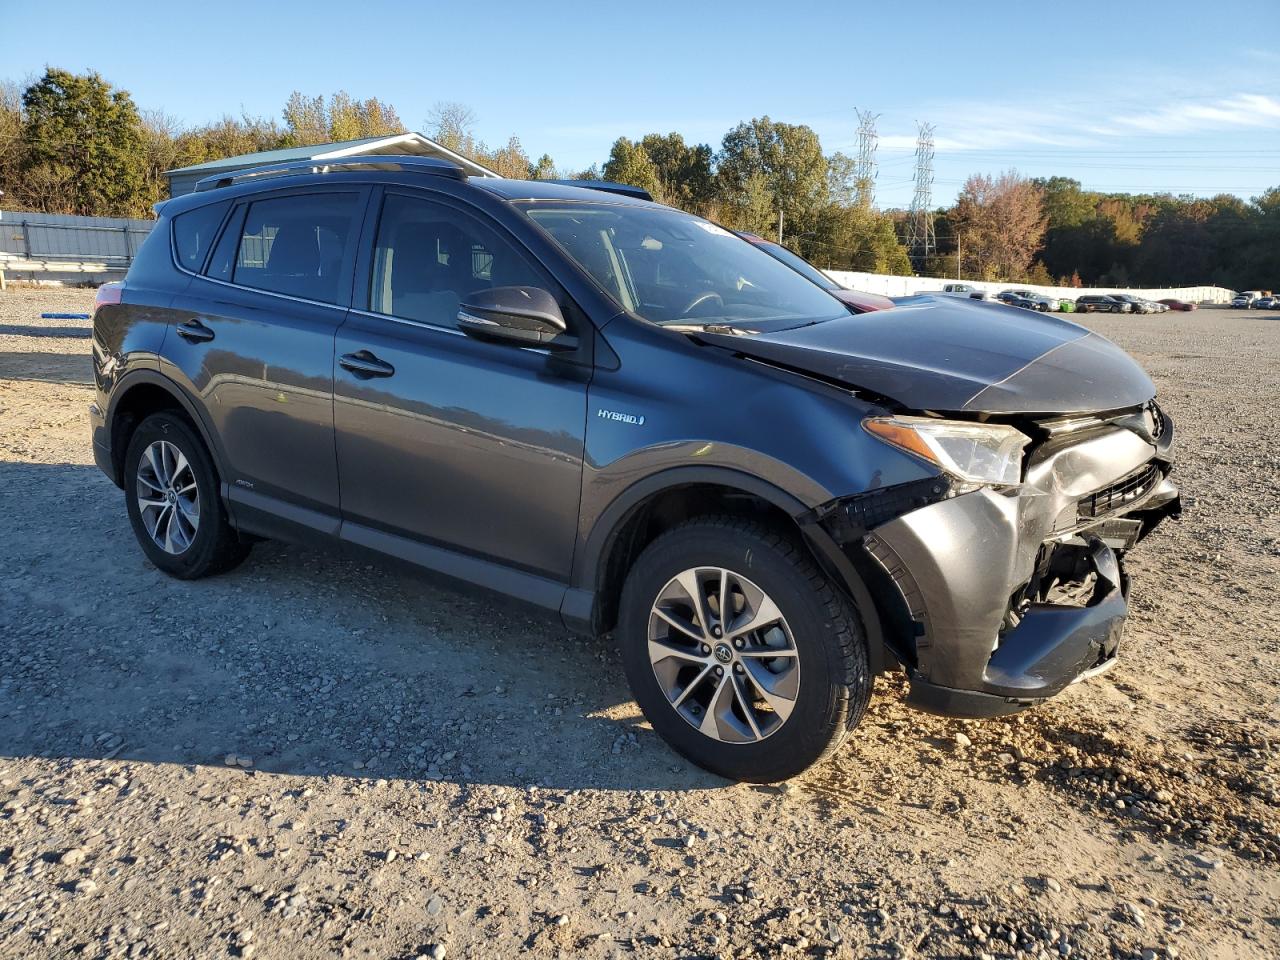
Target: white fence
x=891 y=286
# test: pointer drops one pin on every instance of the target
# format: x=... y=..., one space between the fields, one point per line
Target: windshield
x=669 y=267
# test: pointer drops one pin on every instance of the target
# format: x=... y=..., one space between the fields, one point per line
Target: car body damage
x=965 y=356
x=1009 y=595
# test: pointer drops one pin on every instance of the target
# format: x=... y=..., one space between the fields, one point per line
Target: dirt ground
x=316 y=756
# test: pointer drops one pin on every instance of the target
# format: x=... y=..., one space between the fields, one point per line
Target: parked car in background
x=630 y=417
x=855 y=300
x=1175 y=304
x=960 y=290
x=1018 y=300
x=1245 y=299
x=1136 y=304
x=1267 y=303
x=1101 y=303
x=1042 y=302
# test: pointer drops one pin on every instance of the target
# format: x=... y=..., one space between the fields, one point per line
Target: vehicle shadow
x=31 y=330
x=48 y=367
x=304 y=660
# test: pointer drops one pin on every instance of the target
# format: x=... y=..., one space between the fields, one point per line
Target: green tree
x=684 y=174
x=851 y=236
x=86 y=136
x=544 y=168
x=630 y=163
x=789 y=159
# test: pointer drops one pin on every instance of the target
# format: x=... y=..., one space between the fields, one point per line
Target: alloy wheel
x=168 y=498
x=723 y=655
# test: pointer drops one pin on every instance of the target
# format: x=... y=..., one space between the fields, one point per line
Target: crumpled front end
x=1009 y=595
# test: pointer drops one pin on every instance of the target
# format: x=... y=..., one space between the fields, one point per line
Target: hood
x=956 y=355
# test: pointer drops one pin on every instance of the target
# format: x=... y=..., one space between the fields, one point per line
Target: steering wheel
x=699 y=300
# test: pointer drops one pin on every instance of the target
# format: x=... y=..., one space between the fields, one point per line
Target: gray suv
x=638 y=421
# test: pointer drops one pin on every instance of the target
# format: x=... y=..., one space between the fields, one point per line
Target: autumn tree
x=339 y=117
x=1001 y=225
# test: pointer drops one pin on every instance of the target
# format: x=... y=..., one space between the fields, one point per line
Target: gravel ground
x=317 y=756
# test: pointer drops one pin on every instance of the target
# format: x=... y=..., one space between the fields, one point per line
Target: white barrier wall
x=891 y=286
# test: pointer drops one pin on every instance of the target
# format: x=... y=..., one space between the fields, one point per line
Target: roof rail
x=607 y=186
x=413 y=164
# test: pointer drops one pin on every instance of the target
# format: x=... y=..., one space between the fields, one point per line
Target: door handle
x=193 y=331
x=365 y=364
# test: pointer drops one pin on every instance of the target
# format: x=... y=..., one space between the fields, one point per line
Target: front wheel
x=740 y=652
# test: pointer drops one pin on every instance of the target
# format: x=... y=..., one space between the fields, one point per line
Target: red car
x=856 y=301
x=1173 y=304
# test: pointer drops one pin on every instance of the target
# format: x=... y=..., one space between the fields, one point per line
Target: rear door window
x=298 y=245
x=193 y=233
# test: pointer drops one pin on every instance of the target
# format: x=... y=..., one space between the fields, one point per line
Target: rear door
x=441 y=438
x=253 y=339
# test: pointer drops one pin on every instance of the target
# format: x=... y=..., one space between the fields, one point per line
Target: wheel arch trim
x=150 y=377
x=611 y=520
x=582 y=602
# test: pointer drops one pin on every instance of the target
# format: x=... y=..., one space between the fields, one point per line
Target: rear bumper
x=102 y=442
x=969 y=571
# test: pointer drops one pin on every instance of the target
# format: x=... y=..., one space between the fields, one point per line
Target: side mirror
x=518 y=316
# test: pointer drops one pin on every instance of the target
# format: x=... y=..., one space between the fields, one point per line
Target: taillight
x=108 y=293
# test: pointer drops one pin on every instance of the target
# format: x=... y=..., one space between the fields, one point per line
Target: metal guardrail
x=127 y=233
x=44 y=237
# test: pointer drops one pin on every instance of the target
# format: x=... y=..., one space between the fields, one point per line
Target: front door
x=471 y=446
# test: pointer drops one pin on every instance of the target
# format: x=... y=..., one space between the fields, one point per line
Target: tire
x=207 y=547
x=828 y=694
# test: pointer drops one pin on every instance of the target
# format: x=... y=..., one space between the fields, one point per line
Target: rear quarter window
x=194 y=232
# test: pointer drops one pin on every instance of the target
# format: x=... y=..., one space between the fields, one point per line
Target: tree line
x=74 y=143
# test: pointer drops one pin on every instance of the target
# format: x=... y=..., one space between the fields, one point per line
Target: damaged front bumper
x=1009 y=596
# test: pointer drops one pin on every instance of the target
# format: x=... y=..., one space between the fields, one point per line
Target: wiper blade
x=721 y=328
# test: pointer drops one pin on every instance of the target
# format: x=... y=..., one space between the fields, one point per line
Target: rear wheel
x=740 y=652
x=171 y=493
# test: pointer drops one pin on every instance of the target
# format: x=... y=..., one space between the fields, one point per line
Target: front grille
x=1125 y=492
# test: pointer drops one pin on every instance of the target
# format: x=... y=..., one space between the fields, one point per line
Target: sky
x=1127 y=95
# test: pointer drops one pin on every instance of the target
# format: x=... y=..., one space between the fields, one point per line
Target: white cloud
x=1241 y=110
x=986 y=127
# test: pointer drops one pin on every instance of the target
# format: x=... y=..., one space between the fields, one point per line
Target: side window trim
x=230 y=231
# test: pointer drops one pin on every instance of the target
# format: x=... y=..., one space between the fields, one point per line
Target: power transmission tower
x=864 y=169
x=921 y=241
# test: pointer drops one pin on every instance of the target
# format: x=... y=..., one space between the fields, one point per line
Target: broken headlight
x=981 y=453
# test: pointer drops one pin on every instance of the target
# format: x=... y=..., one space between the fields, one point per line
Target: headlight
x=977 y=452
